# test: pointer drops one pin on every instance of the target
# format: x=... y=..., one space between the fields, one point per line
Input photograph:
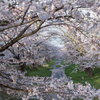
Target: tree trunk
x=90 y=71
x=22 y=66
x=35 y=66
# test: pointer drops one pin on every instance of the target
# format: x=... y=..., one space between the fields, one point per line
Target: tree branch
x=20 y=36
x=57 y=92
x=25 y=13
x=12 y=26
x=15 y=39
x=6 y=77
x=18 y=89
x=33 y=32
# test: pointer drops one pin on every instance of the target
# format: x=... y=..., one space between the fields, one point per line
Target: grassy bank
x=43 y=71
x=82 y=77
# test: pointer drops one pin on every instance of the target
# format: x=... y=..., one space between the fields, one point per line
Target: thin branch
x=6 y=77
x=33 y=32
x=54 y=24
x=57 y=92
x=57 y=9
x=18 y=89
x=12 y=26
x=25 y=13
x=16 y=39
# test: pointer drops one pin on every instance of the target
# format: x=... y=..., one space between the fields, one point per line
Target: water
x=57 y=73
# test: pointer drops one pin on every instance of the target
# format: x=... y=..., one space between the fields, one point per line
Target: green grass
x=77 y=77
x=77 y=99
x=63 y=63
x=51 y=62
x=57 y=65
x=42 y=71
x=14 y=98
x=95 y=98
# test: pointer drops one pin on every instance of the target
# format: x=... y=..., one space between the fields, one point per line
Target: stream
x=58 y=73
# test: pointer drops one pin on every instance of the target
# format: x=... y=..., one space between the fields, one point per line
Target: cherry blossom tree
x=21 y=23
